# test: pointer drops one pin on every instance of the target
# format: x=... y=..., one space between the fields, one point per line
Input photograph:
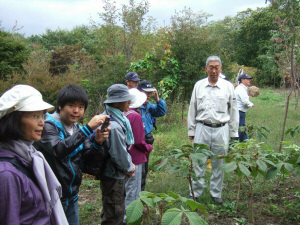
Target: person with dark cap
x=241 y=92
x=119 y=163
x=132 y=80
x=149 y=112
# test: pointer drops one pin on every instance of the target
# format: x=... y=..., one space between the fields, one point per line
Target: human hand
x=100 y=137
x=96 y=121
x=155 y=95
x=130 y=174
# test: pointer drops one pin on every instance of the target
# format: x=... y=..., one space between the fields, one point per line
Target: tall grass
x=268 y=111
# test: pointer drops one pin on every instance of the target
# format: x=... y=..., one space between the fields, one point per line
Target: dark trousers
x=144 y=174
x=242 y=127
x=72 y=213
x=113 y=199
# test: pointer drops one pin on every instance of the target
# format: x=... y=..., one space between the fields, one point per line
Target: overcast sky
x=35 y=16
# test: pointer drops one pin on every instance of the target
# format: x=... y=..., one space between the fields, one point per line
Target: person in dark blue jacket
x=67 y=147
x=149 y=112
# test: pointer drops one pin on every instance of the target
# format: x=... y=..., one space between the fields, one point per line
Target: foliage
x=250 y=159
x=186 y=159
x=133 y=16
x=286 y=162
x=158 y=202
x=254 y=35
x=13 y=52
x=293 y=131
x=287 y=40
x=62 y=58
x=233 y=69
x=166 y=69
x=190 y=46
x=258 y=132
x=37 y=74
x=81 y=35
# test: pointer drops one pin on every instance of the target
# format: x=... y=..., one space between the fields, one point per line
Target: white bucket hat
x=139 y=98
x=22 y=98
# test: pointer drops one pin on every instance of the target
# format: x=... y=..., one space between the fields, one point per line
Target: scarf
x=118 y=114
x=47 y=181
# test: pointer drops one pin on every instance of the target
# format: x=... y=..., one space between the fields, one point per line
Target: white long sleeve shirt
x=241 y=92
x=213 y=104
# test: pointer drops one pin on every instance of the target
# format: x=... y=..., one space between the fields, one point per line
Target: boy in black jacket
x=66 y=145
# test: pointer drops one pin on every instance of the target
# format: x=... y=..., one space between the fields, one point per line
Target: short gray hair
x=213 y=58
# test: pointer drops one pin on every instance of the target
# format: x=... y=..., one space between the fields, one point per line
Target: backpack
x=97 y=168
x=20 y=167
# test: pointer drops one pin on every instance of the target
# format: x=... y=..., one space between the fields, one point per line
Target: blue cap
x=132 y=76
x=244 y=76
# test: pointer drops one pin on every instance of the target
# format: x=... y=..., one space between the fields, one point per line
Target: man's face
x=132 y=84
x=149 y=95
x=213 y=69
x=246 y=82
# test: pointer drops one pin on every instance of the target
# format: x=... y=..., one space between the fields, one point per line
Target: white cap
x=22 y=98
x=139 y=98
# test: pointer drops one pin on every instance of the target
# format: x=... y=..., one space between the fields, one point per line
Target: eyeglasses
x=38 y=117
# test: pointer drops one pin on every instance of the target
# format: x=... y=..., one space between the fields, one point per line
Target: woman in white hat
x=29 y=190
x=140 y=149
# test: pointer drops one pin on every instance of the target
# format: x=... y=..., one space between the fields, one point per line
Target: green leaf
x=279 y=166
x=229 y=167
x=198 y=159
x=172 y=217
x=146 y=193
x=289 y=167
x=195 y=219
x=157 y=199
x=162 y=164
x=173 y=194
x=292 y=133
x=196 y=205
x=180 y=155
x=183 y=199
x=134 y=211
x=175 y=151
x=269 y=162
x=254 y=172
x=271 y=173
x=187 y=146
x=200 y=145
x=244 y=170
x=148 y=201
x=246 y=163
x=288 y=130
x=170 y=199
x=262 y=165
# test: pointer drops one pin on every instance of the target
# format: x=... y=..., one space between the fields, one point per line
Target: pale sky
x=35 y=16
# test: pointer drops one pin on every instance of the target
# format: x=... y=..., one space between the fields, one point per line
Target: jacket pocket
x=201 y=102
x=222 y=105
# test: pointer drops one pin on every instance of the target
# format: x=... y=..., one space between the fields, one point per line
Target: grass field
x=281 y=203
